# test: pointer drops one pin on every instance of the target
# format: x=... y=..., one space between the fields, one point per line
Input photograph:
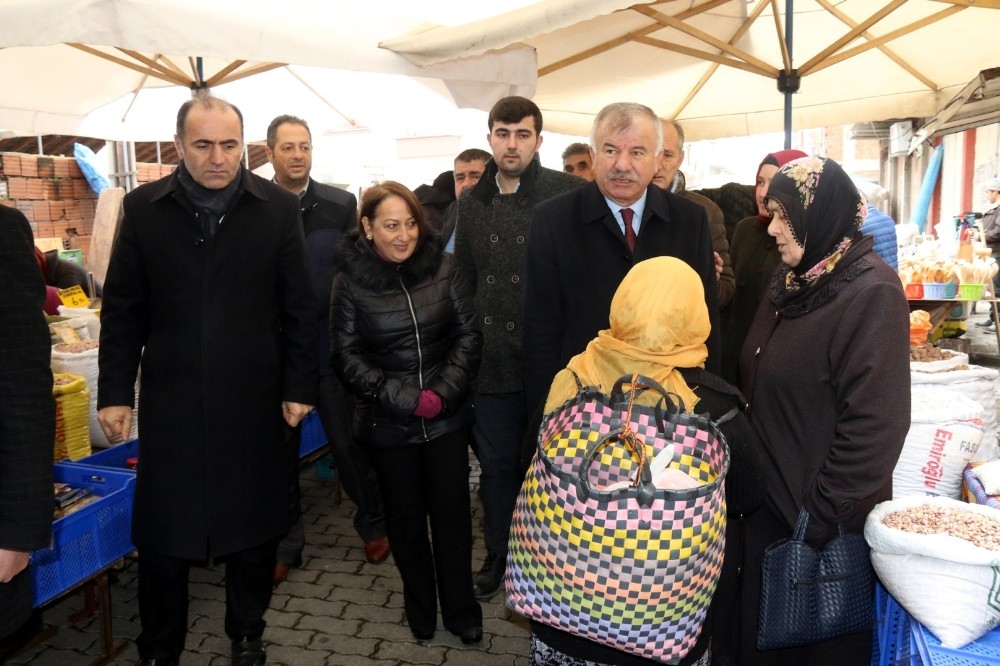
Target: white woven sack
x=946 y=430
x=978 y=383
x=949 y=585
x=989 y=476
x=92 y=317
x=84 y=364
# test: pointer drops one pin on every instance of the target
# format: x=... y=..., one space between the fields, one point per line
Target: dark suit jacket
x=225 y=329
x=27 y=412
x=576 y=259
x=327 y=214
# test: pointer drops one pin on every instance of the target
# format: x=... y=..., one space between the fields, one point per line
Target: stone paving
x=336 y=609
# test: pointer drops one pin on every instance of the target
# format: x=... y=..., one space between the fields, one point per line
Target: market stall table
x=939 y=309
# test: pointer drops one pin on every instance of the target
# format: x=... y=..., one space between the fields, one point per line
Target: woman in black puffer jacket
x=406 y=341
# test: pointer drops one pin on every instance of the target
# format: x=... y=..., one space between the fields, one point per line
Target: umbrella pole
x=788 y=88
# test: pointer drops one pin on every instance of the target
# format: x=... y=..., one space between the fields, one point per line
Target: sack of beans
x=939 y=557
x=946 y=430
x=975 y=382
x=72 y=417
x=80 y=358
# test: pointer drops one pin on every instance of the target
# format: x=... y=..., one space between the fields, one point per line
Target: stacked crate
x=56 y=198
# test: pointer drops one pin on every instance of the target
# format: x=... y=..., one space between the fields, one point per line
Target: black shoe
x=487 y=582
x=156 y=662
x=249 y=652
x=422 y=635
x=471 y=635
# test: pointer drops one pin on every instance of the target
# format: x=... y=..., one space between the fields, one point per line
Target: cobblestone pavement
x=336 y=609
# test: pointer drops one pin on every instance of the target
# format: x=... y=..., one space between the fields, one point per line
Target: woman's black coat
x=397 y=329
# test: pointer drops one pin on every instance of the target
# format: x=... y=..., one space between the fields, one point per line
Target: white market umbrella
x=715 y=64
x=118 y=69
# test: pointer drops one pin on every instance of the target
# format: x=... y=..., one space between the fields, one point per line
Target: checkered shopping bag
x=595 y=548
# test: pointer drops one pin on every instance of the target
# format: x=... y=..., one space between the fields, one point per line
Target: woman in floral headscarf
x=825 y=368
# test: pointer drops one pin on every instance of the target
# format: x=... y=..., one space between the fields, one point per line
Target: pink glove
x=429 y=405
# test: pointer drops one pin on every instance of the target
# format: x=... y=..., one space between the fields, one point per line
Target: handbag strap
x=637 y=385
x=800 y=525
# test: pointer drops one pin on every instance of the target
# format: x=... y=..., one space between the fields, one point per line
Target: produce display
x=76 y=347
x=928 y=352
x=978 y=529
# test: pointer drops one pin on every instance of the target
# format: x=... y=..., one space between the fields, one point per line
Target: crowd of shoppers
x=410 y=353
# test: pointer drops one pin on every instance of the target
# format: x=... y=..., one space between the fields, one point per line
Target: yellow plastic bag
x=72 y=416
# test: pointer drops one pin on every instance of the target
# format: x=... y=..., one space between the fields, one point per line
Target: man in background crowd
x=470 y=165
x=327 y=213
x=990 y=224
x=577 y=161
x=208 y=289
x=670 y=177
x=490 y=246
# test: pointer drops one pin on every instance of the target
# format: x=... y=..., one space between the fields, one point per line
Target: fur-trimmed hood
x=360 y=264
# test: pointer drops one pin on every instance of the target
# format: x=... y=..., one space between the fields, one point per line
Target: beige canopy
x=118 y=69
x=715 y=64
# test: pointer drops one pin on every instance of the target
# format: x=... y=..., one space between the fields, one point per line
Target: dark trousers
x=431 y=480
x=499 y=430
x=354 y=466
x=163 y=598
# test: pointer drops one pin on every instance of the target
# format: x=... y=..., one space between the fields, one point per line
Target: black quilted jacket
x=398 y=328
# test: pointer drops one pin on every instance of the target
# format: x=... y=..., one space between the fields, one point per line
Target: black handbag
x=809 y=595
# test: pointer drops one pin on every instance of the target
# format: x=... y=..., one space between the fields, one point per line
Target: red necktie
x=627 y=214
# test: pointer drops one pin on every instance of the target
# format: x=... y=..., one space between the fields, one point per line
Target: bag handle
x=639 y=384
x=643 y=480
x=803 y=521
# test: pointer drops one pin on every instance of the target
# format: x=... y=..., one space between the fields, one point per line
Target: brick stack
x=56 y=198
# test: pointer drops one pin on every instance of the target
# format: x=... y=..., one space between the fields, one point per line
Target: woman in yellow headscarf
x=659 y=325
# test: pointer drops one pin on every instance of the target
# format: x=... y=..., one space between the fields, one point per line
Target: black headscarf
x=824 y=211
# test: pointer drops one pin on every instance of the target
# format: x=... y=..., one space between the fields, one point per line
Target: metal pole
x=788 y=94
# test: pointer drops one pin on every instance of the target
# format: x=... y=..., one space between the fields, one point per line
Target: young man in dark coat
x=27 y=422
x=489 y=244
x=581 y=245
x=208 y=287
x=327 y=214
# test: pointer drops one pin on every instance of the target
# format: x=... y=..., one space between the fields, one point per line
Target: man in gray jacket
x=490 y=243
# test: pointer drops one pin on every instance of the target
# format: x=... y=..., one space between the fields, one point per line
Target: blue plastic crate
x=313 y=437
x=114 y=457
x=904 y=641
x=89 y=539
x=896 y=646
x=985 y=650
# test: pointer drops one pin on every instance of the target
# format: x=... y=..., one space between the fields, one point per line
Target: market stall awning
x=89 y=73
x=716 y=65
x=977 y=104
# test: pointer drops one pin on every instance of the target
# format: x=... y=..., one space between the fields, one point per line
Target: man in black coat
x=27 y=420
x=208 y=288
x=327 y=214
x=580 y=246
x=490 y=237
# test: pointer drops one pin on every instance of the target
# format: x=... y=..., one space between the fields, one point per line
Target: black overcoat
x=27 y=413
x=577 y=257
x=229 y=331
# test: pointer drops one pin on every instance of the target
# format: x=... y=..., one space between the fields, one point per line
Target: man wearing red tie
x=583 y=242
